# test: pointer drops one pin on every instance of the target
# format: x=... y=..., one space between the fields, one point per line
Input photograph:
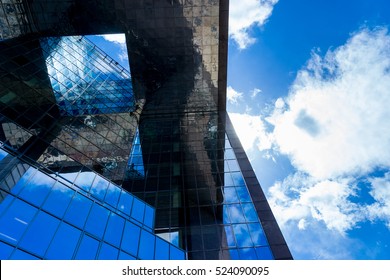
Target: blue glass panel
x=125 y=202
x=149 y=216
x=20 y=255
x=58 y=200
x=68 y=176
x=97 y=220
x=230 y=236
x=250 y=212
x=3 y=154
x=230 y=195
x=138 y=210
x=257 y=234
x=241 y=233
x=233 y=165
x=36 y=190
x=39 y=233
x=236 y=214
x=85 y=179
x=78 y=210
x=264 y=253
x=112 y=195
x=234 y=254
x=130 y=239
x=243 y=194
x=5 y=249
x=124 y=256
x=146 y=246
x=16 y=220
x=64 y=243
x=247 y=254
x=162 y=250
x=229 y=154
x=87 y=249
x=99 y=187
x=176 y=254
x=228 y=181
x=114 y=229
x=108 y=252
x=238 y=180
x=23 y=180
x=226 y=215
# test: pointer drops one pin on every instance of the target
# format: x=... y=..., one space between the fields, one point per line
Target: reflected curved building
x=98 y=163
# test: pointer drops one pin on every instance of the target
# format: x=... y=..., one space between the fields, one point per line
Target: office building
x=100 y=163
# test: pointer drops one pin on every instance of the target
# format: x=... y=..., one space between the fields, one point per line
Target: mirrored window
x=64 y=243
x=114 y=229
x=131 y=237
x=146 y=246
x=78 y=210
x=97 y=220
x=87 y=249
x=58 y=200
x=108 y=252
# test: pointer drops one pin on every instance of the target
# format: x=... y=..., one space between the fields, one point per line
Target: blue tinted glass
x=228 y=181
x=85 y=179
x=87 y=249
x=125 y=202
x=3 y=154
x=234 y=254
x=250 y=212
x=114 y=229
x=22 y=181
x=78 y=210
x=149 y=216
x=230 y=237
x=233 y=165
x=247 y=254
x=112 y=195
x=5 y=250
x=138 y=210
x=97 y=220
x=146 y=246
x=130 y=239
x=230 y=195
x=16 y=220
x=264 y=253
x=176 y=254
x=68 y=176
x=99 y=187
x=238 y=180
x=162 y=250
x=226 y=217
x=20 y=255
x=36 y=190
x=236 y=214
x=64 y=243
x=243 y=194
x=241 y=233
x=58 y=200
x=40 y=233
x=108 y=252
x=124 y=256
x=257 y=234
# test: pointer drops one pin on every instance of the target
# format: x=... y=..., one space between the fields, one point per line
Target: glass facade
x=96 y=163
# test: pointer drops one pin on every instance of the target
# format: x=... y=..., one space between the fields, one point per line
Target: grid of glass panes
x=135 y=164
x=84 y=79
x=49 y=217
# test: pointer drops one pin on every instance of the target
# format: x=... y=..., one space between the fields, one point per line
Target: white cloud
x=255 y=92
x=243 y=14
x=252 y=131
x=115 y=38
x=232 y=95
x=380 y=191
x=337 y=114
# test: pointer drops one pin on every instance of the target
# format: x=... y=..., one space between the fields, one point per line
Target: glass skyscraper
x=100 y=164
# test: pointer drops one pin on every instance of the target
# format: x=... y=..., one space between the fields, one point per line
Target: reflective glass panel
x=241 y=233
x=64 y=243
x=5 y=249
x=130 y=239
x=146 y=246
x=257 y=234
x=108 y=252
x=264 y=253
x=176 y=254
x=125 y=202
x=58 y=200
x=138 y=210
x=114 y=229
x=97 y=220
x=36 y=190
x=247 y=254
x=21 y=255
x=78 y=210
x=124 y=256
x=87 y=249
x=162 y=250
x=112 y=195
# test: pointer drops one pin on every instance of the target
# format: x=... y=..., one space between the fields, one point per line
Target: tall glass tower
x=98 y=163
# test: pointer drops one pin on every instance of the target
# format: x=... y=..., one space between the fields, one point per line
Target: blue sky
x=309 y=92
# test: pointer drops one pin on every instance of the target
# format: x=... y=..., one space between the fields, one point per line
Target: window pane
x=114 y=229
x=78 y=210
x=108 y=252
x=162 y=250
x=242 y=235
x=58 y=200
x=16 y=220
x=112 y=195
x=40 y=233
x=87 y=249
x=146 y=246
x=250 y=212
x=236 y=214
x=97 y=220
x=20 y=255
x=85 y=179
x=243 y=194
x=230 y=237
x=130 y=240
x=176 y=253
x=138 y=210
x=247 y=254
x=22 y=181
x=264 y=253
x=230 y=195
x=124 y=256
x=37 y=188
x=64 y=243
x=149 y=216
x=99 y=187
x=5 y=250
x=257 y=234
x=125 y=202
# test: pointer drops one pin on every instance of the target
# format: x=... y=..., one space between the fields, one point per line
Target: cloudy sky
x=309 y=94
x=309 y=88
